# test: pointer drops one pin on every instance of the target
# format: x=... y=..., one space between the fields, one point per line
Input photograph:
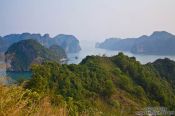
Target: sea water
x=88 y=48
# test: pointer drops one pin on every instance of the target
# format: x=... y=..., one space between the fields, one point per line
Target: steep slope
x=17 y=101
x=68 y=42
x=166 y=69
x=105 y=85
x=160 y=42
x=21 y=55
x=117 y=44
x=72 y=43
x=58 y=50
x=2 y=45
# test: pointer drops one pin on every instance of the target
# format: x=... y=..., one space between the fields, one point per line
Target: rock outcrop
x=159 y=43
x=68 y=42
x=21 y=55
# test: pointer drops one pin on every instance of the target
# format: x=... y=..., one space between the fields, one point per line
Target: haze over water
x=88 y=48
x=90 y=21
x=87 y=19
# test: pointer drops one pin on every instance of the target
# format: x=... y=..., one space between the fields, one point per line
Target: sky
x=87 y=19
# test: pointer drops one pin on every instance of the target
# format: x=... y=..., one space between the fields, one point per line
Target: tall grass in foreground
x=16 y=101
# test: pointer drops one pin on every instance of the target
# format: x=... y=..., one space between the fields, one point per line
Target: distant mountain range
x=21 y=55
x=158 y=43
x=68 y=42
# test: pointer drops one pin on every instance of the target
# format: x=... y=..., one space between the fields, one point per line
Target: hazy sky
x=87 y=19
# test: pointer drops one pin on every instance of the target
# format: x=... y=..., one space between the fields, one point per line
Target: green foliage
x=41 y=75
x=59 y=51
x=109 y=88
x=118 y=82
x=115 y=103
x=14 y=100
x=166 y=69
x=26 y=52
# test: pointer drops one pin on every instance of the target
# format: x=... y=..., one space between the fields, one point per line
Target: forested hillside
x=117 y=85
x=158 y=43
x=68 y=42
x=21 y=55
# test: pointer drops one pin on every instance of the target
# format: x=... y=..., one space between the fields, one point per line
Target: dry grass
x=5 y=81
x=2 y=66
x=15 y=101
x=46 y=109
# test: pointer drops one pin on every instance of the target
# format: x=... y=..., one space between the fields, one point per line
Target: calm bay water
x=19 y=75
x=88 y=48
x=6 y=76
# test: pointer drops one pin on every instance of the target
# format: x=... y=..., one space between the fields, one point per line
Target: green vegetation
x=106 y=86
x=22 y=54
x=17 y=101
x=59 y=51
x=166 y=69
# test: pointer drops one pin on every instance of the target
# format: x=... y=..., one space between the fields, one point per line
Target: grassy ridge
x=17 y=101
x=107 y=86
